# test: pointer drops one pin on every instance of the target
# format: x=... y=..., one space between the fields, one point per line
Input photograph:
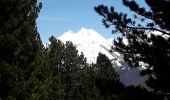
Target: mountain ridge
x=90 y=43
x=88 y=38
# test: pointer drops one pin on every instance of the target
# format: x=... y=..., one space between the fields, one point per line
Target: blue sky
x=59 y=16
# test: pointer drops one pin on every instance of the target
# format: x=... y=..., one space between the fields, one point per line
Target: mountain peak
x=87 y=31
x=89 y=42
x=84 y=29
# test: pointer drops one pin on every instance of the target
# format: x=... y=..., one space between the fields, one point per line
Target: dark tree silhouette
x=67 y=65
x=19 y=47
x=24 y=70
x=107 y=79
x=143 y=45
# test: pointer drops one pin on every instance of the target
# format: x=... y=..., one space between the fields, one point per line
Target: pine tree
x=54 y=52
x=143 y=46
x=24 y=71
x=20 y=43
x=87 y=88
x=67 y=65
x=104 y=68
x=71 y=69
x=107 y=79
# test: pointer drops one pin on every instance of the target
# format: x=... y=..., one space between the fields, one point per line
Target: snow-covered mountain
x=91 y=43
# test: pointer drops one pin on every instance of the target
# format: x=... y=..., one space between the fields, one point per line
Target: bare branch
x=145 y=28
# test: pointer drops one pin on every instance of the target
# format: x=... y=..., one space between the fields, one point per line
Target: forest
x=31 y=71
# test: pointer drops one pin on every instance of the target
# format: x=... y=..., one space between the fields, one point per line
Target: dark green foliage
x=153 y=50
x=30 y=71
x=24 y=70
x=68 y=66
x=139 y=93
x=20 y=44
x=105 y=69
x=87 y=87
x=107 y=79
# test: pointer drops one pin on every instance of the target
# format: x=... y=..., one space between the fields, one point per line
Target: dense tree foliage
x=31 y=71
x=67 y=65
x=139 y=93
x=24 y=69
x=19 y=49
x=88 y=89
x=143 y=44
x=107 y=79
